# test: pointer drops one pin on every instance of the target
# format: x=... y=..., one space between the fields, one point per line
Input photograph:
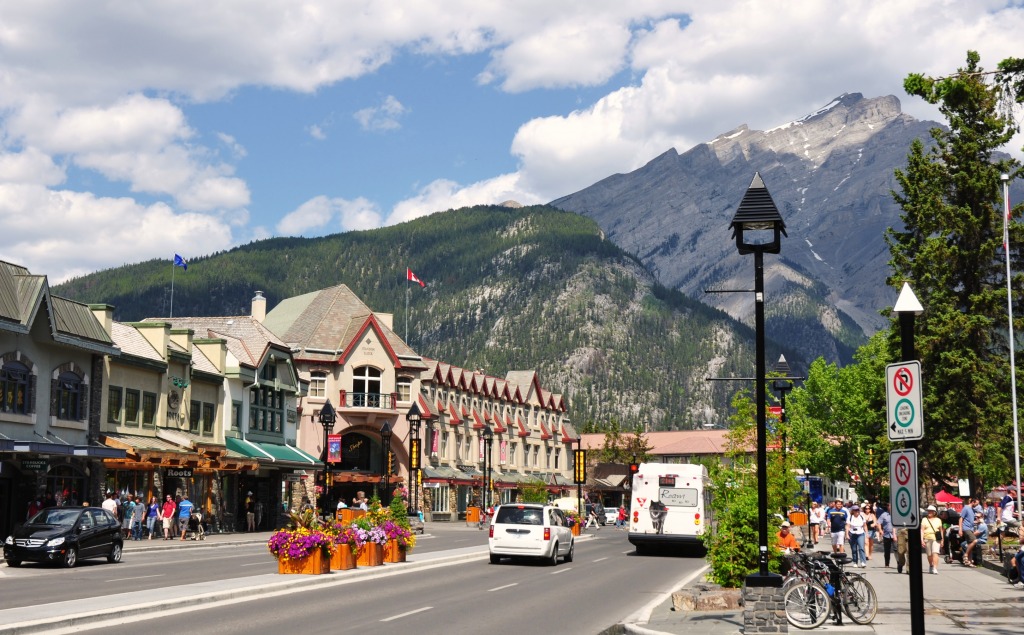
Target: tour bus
x=670 y=506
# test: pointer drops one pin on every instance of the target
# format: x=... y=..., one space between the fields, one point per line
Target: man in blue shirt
x=184 y=513
x=967 y=537
x=837 y=517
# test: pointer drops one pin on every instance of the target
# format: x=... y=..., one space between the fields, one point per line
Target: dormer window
x=404 y=388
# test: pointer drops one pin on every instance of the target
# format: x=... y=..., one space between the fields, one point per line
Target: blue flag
x=180 y=262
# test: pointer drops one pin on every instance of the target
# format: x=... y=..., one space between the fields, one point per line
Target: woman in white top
x=817 y=520
x=855 y=529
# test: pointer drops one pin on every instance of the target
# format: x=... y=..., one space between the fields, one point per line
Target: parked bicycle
x=817 y=586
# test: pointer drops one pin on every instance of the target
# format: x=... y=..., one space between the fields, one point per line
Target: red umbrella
x=949 y=500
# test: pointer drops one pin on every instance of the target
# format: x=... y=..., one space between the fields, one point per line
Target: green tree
x=950 y=250
x=624 y=447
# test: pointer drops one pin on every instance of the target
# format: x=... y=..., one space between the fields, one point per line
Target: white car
x=530 y=530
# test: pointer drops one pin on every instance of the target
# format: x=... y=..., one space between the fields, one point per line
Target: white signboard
x=903 y=411
x=903 y=497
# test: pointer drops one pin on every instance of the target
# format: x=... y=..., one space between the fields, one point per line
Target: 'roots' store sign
x=179 y=472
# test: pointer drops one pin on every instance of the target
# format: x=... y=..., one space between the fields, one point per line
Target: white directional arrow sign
x=903 y=411
x=903 y=497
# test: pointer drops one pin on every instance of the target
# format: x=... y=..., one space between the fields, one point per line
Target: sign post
x=903 y=496
x=904 y=414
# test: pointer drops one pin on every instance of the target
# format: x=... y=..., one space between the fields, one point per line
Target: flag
x=180 y=262
x=409 y=275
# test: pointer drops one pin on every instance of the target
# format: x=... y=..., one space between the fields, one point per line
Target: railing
x=385 y=401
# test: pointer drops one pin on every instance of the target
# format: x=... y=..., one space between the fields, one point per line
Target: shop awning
x=277 y=454
x=151 y=451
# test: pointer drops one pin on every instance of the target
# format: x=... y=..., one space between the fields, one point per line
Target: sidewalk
x=957 y=600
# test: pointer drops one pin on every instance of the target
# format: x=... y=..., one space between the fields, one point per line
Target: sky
x=137 y=130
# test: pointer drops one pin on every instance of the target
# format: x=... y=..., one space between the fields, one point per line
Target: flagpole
x=407 y=287
x=1009 y=307
x=172 y=287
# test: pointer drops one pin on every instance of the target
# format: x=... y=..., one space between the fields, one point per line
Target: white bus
x=669 y=506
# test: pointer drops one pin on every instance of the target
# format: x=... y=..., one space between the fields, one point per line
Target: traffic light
x=634 y=469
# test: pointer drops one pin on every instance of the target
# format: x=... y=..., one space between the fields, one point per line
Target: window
x=70 y=396
x=131 y=407
x=148 y=409
x=114 y=397
x=439 y=502
x=207 y=419
x=366 y=387
x=547 y=459
x=195 y=411
x=404 y=388
x=558 y=459
x=236 y=415
x=318 y=384
x=16 y=384
x=444 y=443
x=467 y=449
x=512 y=447
x=266 y=409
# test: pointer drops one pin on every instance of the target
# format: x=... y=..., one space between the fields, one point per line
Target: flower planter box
x=393 y=553
x=371 y=555
x=343 y=558
x=576 y=529
x=313 y=564
x=349 y=514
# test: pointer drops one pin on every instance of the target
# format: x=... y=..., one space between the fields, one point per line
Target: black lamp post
x=782 y=385
x=488 y=439
x=385 y=447
x=807 y=490
x=758 y=218
x=327 y=419
x=413 y=418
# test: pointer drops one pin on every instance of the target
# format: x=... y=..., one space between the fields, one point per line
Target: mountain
x=829 y=173
x=507 y=289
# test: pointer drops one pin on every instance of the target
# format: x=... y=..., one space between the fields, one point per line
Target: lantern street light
x=758 y=217
x=488 y=439
x=385 y=467
x=782 y=385
x=327 y=418
x=413 y=418
x=808 y=544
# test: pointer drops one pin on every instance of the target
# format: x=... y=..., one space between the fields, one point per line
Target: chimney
x=259 y=307
x=104 y=313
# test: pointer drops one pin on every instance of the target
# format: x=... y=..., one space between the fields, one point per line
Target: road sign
x=903 y=485
x=903 y=411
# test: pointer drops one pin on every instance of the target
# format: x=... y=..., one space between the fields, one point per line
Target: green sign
x=35 y=465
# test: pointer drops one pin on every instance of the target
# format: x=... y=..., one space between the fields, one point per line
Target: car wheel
x=70 y=558
x=115 y=554
x=495 y=559
x=14 y=563
x=553 y=560
x=568 y=556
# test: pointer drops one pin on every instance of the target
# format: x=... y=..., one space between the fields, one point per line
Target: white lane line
x=600 y=559
x=630 y=551
x=562 y=570
x=407 y=614
x=507 y=586
x=253 y=564
x=141 y=577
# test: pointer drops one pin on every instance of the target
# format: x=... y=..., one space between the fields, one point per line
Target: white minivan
x=530 y=530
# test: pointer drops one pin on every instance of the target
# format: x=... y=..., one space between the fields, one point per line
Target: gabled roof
x=544 y=434
x=247 y=339
x=427 y=410
x=453 y=415
x=523 y=432
x=478 y=421
x=70 y=323
x=134 y=344
x=525 y=380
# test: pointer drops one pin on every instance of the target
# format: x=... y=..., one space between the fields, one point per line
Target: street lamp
x=327 y=419
x=413 y=418
x=782 y=385
x=488 y=439
x=385 y=446
x=758 y=219
x=807 y=489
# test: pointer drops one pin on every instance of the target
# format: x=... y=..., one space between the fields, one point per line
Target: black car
x=65 y=535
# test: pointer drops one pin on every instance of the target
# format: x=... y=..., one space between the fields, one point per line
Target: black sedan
x=65 y=535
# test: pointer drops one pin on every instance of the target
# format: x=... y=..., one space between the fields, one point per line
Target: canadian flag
x=409 y=275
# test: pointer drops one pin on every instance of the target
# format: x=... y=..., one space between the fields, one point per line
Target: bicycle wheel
x=859 y=599
x=807 y=605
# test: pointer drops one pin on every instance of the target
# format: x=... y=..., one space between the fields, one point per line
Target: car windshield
x=56 y=516
x=515 y=515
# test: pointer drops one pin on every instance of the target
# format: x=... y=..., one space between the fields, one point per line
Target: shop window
x=195 y=412
x=439 y=503
x=131 y=407
x=208 y=419
x=16 y=388
x=70 y=396
x=115 y=394
x=148 y=409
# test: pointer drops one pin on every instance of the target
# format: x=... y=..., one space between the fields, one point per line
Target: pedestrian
x=856 y=529
x=109 y=504
x=885 y=528
x=786 y=541
x=34 y=506
x=167 y=516
x=902 y=548
x=1007 y=513
x=360 y=501
x=870 y=528
x=837 y=526
x=931 y=539
x=250 y=512
x=138 y=518
x=817 y=521
x=966 y=529
x=152 y=514
x=620 y=519
x=980 y=537
x=592 y=519
x=1018 y=562
x=125 y=510
x=184 y=514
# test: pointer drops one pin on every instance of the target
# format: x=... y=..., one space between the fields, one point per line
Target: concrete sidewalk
x=957 y=600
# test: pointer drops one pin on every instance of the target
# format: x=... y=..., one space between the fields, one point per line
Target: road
x=606 y=583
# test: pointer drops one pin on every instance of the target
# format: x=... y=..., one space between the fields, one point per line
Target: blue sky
x=130 y=132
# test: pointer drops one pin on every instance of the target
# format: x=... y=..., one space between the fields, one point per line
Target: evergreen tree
x=950 y=250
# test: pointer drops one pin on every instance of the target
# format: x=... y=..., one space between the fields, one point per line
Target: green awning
x=277 y=454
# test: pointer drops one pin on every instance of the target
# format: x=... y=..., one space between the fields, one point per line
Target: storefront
x=275 y=489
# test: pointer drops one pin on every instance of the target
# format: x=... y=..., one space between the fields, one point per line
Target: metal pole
x=326 y=469
x=913 y=533
x=579 y=486
x=1012 y=342
x=762 y=454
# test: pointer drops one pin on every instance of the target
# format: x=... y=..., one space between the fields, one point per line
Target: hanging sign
x=334 y=448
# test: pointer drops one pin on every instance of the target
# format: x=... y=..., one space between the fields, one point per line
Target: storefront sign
x=294 y=478
x=179 y=472
x=35 y=465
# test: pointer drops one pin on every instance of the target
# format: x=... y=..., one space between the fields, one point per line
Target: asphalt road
x=606 y=583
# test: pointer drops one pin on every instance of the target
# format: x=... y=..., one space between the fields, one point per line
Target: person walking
x=152 y=515
x=167 y=516
x=184 y=513
x=138 y=517
x=620 y=520
x=870 y=528
x=902 y=548
x=856 y=528
x=931 y=539
x=837 y=526
x=885 y=528
x=817 y=522
x=966 y=529
x=250 y=512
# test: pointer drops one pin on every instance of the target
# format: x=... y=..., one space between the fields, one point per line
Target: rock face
x=830 y=174
x=703 y=597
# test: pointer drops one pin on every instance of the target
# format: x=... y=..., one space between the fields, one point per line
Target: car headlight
x=9 y=541
x=54 y=542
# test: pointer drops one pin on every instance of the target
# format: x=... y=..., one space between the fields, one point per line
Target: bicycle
x=819 y=586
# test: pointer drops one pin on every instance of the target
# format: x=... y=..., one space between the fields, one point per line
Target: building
x=51 y=382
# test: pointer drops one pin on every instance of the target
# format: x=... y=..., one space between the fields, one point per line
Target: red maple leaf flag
x=409 y=275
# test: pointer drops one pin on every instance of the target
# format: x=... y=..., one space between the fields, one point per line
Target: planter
x=349 y=514
x=313 y=564
x=371 y=555
x=577 y=529
x=393 y=553
x=343 y=558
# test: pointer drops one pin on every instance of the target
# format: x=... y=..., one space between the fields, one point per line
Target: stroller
x=951 y=546
x=195 y=526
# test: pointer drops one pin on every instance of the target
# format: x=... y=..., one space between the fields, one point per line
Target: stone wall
x=764 y=610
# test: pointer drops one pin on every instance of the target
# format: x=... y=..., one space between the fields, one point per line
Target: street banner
x=334 y=448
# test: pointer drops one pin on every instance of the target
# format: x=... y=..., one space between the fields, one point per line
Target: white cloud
x=442 y=195
x=383 y=117
x=316 y=132
x=330 y=214
x=30 y=166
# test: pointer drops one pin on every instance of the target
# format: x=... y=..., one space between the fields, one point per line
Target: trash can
x=472 y=515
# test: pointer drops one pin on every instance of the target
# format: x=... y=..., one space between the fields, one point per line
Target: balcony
x=368 y=402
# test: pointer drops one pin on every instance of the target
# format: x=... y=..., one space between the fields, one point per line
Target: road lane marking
x=406 y=614
x=561 y=570
x=507 y=586
x=141 y=577
x=630 y=551
x=253 y=564
x=600 y=559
